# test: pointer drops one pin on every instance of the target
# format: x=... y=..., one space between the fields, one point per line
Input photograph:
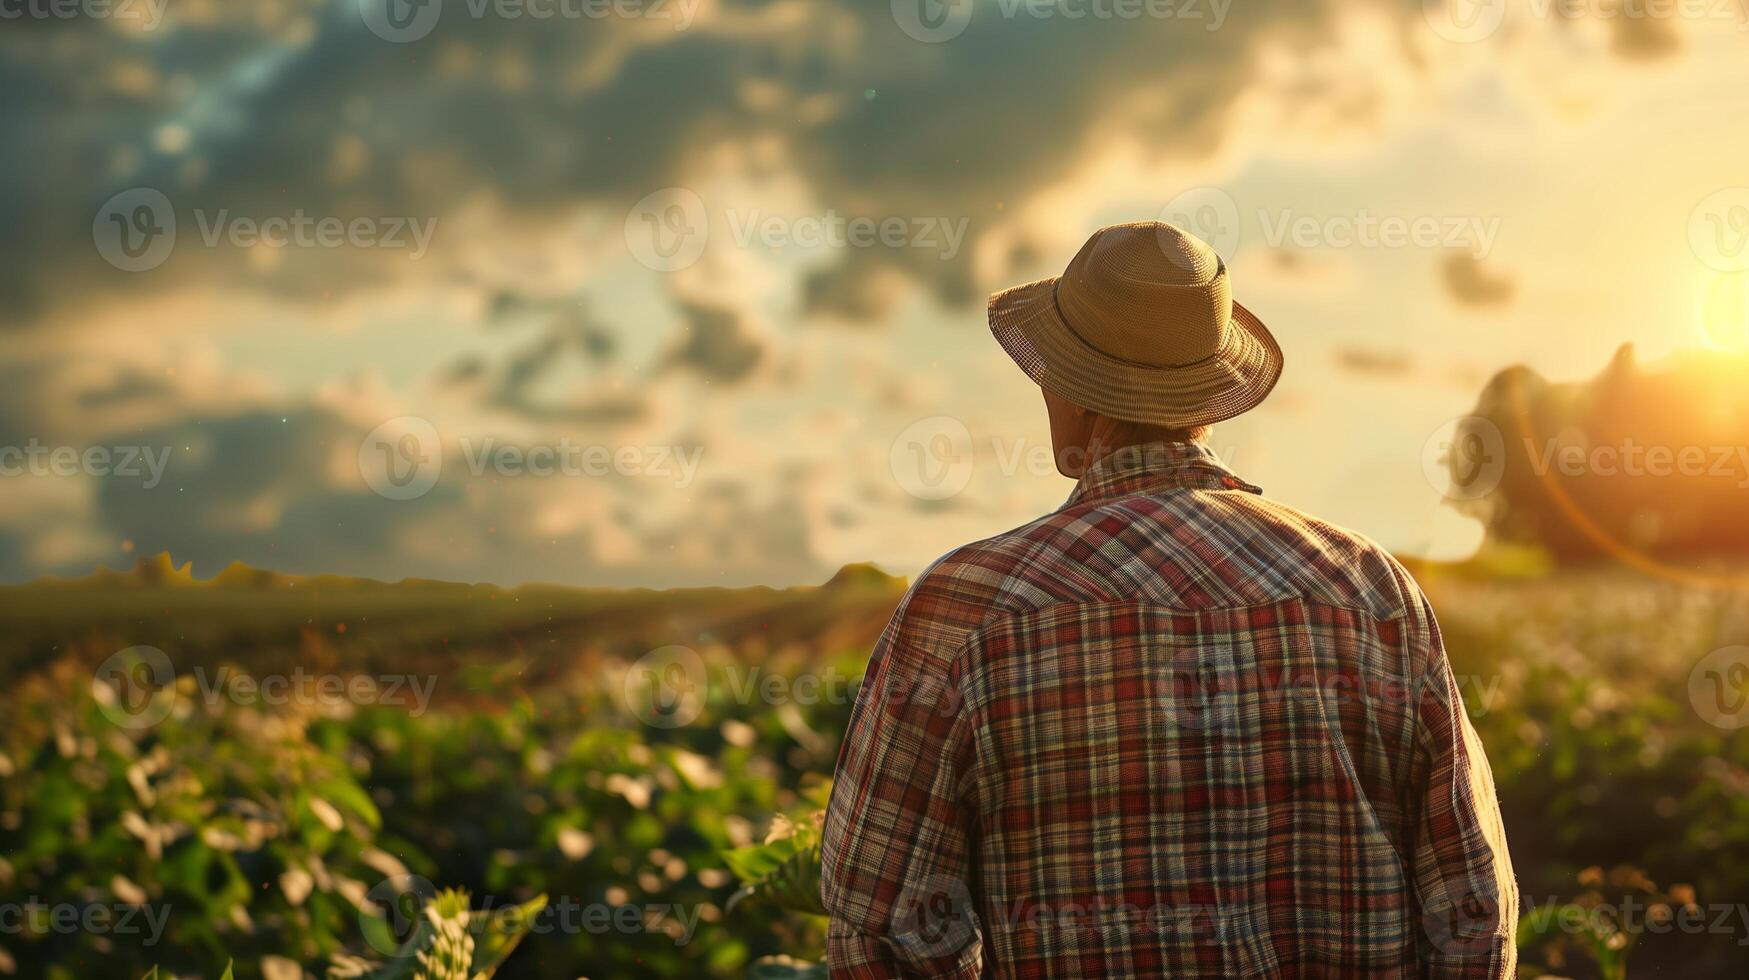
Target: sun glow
x=1724 y=311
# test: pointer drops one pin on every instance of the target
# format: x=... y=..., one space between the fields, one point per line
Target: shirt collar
x=1152 y=467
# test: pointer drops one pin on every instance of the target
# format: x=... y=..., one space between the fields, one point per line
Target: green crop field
x=283 y=828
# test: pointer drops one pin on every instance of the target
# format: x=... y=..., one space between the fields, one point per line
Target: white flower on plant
x=450 y=955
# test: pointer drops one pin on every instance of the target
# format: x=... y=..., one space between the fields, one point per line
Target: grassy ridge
x=485 y=635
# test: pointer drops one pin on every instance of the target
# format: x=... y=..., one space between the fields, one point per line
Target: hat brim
x=1235 y=379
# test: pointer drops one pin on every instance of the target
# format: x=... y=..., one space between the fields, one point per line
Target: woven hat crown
x=1141 y=326
x=1149 y=293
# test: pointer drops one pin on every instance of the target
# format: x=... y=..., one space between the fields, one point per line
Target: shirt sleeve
x=896 y=868
x=1460 y=866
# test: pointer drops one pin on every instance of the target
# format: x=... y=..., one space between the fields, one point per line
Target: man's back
x=1170 y=729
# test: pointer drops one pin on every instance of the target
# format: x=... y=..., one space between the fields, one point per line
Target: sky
x=691 y=292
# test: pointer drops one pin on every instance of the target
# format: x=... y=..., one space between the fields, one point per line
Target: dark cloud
x=130 y=385
x=1644 y=38
x=1471 y=284
x=464 y=370
x=568 y=322
x=715 y=343
x=305 y=109
x=252 y=487
x=259 y=111
x=1370 y=360
x=17 y=564
x=568 y=332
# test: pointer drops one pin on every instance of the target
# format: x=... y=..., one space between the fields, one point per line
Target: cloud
x=569 y=340
x=1643 y=38
x=130 y=386
x=716 y=344
x=521 y=144
x=1369 y=360
x=264 y=488
x=282 y=490
x=1468 y=282
x=569 y=323
x=234 y=116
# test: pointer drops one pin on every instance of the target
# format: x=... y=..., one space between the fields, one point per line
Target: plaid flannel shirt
x=1171 y=729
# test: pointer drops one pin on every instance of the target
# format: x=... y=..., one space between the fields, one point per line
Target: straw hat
x=1141 y=326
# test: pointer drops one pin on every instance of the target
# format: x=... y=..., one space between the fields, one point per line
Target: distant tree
x=1652 y=460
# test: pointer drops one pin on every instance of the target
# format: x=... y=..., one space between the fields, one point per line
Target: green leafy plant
x=783 y=872
x=1600 y=923
x=153 y=974
x=450 y=942
x=785 y=869
x=260 y=831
